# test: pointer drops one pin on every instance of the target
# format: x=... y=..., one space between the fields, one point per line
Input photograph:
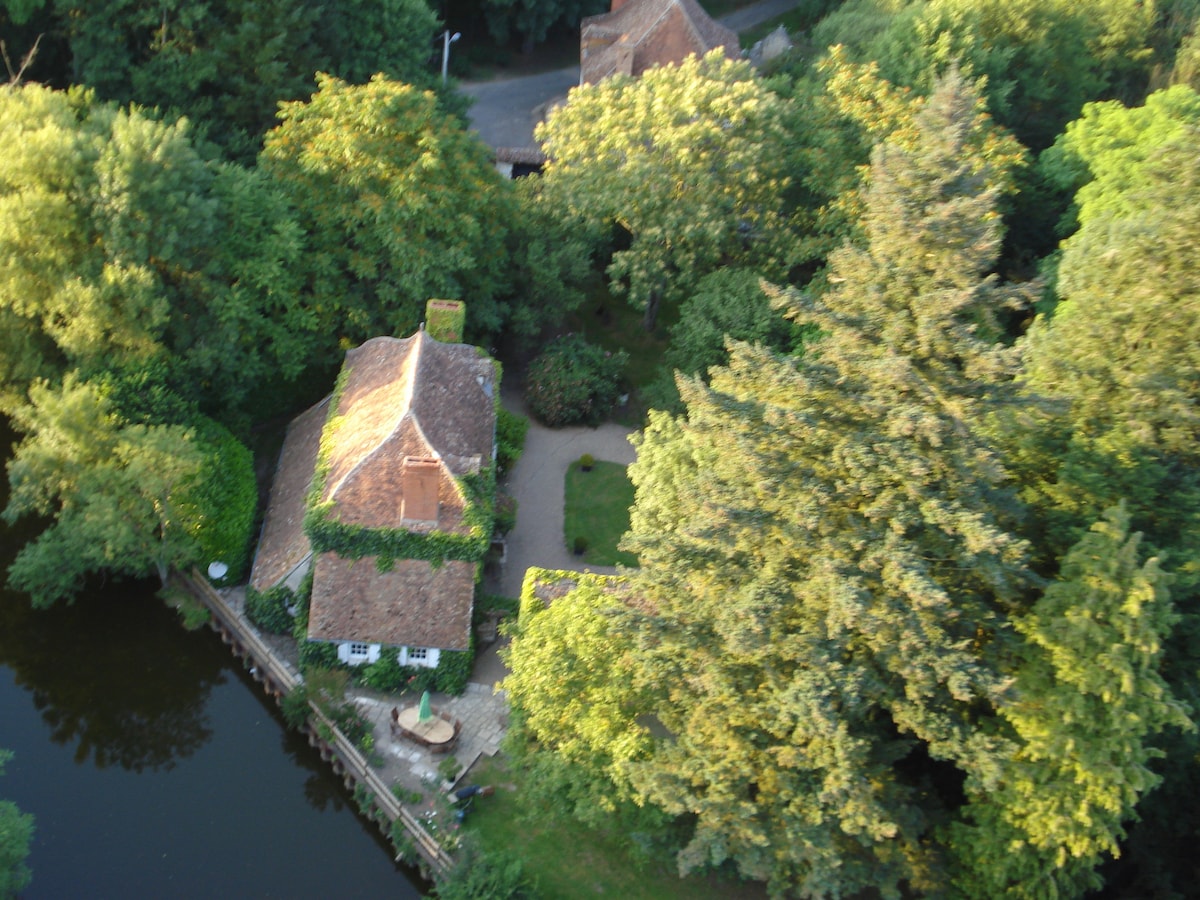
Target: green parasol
x=424 y=713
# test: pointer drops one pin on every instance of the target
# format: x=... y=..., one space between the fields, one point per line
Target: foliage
x=269 y=609
x=400 y=205
x=444 y=320
x=688 y=161
x=222 y=502
x=494 y=874
x=193 y=614
x=227 y=64
x=729 y=304
x=1041 y=60
x=596 y=512
x=1100 y=157
x=506 y=514
x=573 y=381
x=317 y=655
x=569 y=677
x=1121 y=349
x=16 y=836
x=449 y=768
x=115 y=491
x=1088 y=698
x=294 y=707
x=825 y=563
x=550 y=261
x=385 y=674
x=532 y=20
x=511 y=429
x=454 y=670
x=121 y=248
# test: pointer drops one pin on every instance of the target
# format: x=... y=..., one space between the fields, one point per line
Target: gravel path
x=536 y=482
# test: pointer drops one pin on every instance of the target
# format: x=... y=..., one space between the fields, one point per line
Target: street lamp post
x=447 y=40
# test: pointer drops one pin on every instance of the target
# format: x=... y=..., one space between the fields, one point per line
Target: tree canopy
x=225 y=64
x=145 y=253
x=399 y=203
x=687 y=161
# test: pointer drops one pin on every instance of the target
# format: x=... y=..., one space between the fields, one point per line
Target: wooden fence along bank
x=347 y=760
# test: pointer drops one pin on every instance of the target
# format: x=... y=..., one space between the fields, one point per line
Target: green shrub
x=449 y=768
x=454 y=670
x=511 y=429
x=496 y=875
x=586 y=462
x=269 y=610
x=580 y=545
x=295 y=708
x=222 y=501
x=574 y=381
x=387 y=675
x=319 y=655
x=506 y=514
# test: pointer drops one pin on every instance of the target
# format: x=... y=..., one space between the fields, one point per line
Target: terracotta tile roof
x=530 y=156
x=414 y=405
x=642 y=34
x=410 y=398
x=414 y=604
x=283 y=546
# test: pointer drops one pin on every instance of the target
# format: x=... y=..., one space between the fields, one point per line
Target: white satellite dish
x=217 y=570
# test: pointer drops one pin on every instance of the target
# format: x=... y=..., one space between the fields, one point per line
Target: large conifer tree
x=825 y=553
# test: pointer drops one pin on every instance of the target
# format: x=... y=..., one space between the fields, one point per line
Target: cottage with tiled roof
x=382 y=491
x=637 y=35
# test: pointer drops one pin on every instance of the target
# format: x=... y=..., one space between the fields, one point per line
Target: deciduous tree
x=400 y=204
x=688 y=161
x=120 y=246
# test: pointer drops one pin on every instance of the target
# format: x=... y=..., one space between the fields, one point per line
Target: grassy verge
x=597 y=509
x=570 y=861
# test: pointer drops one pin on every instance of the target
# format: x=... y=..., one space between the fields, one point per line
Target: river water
x=156 y=768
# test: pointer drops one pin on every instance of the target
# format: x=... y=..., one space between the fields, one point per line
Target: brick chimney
x=419 y=500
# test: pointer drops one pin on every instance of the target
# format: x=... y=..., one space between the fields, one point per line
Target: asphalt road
x=505 y=112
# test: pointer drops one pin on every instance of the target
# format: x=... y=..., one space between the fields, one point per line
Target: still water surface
x=156 y=768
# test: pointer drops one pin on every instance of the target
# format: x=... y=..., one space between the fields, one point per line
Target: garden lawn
x=596 y=508
x=570 y=861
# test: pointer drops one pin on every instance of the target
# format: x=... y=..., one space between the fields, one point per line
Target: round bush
x=573 y=382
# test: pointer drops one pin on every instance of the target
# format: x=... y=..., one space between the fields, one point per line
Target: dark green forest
x=917 y=491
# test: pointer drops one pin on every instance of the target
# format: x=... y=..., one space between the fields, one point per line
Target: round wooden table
x=435 y=729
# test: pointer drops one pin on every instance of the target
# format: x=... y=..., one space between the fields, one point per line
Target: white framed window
x=426 y=657
x=359 y=650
